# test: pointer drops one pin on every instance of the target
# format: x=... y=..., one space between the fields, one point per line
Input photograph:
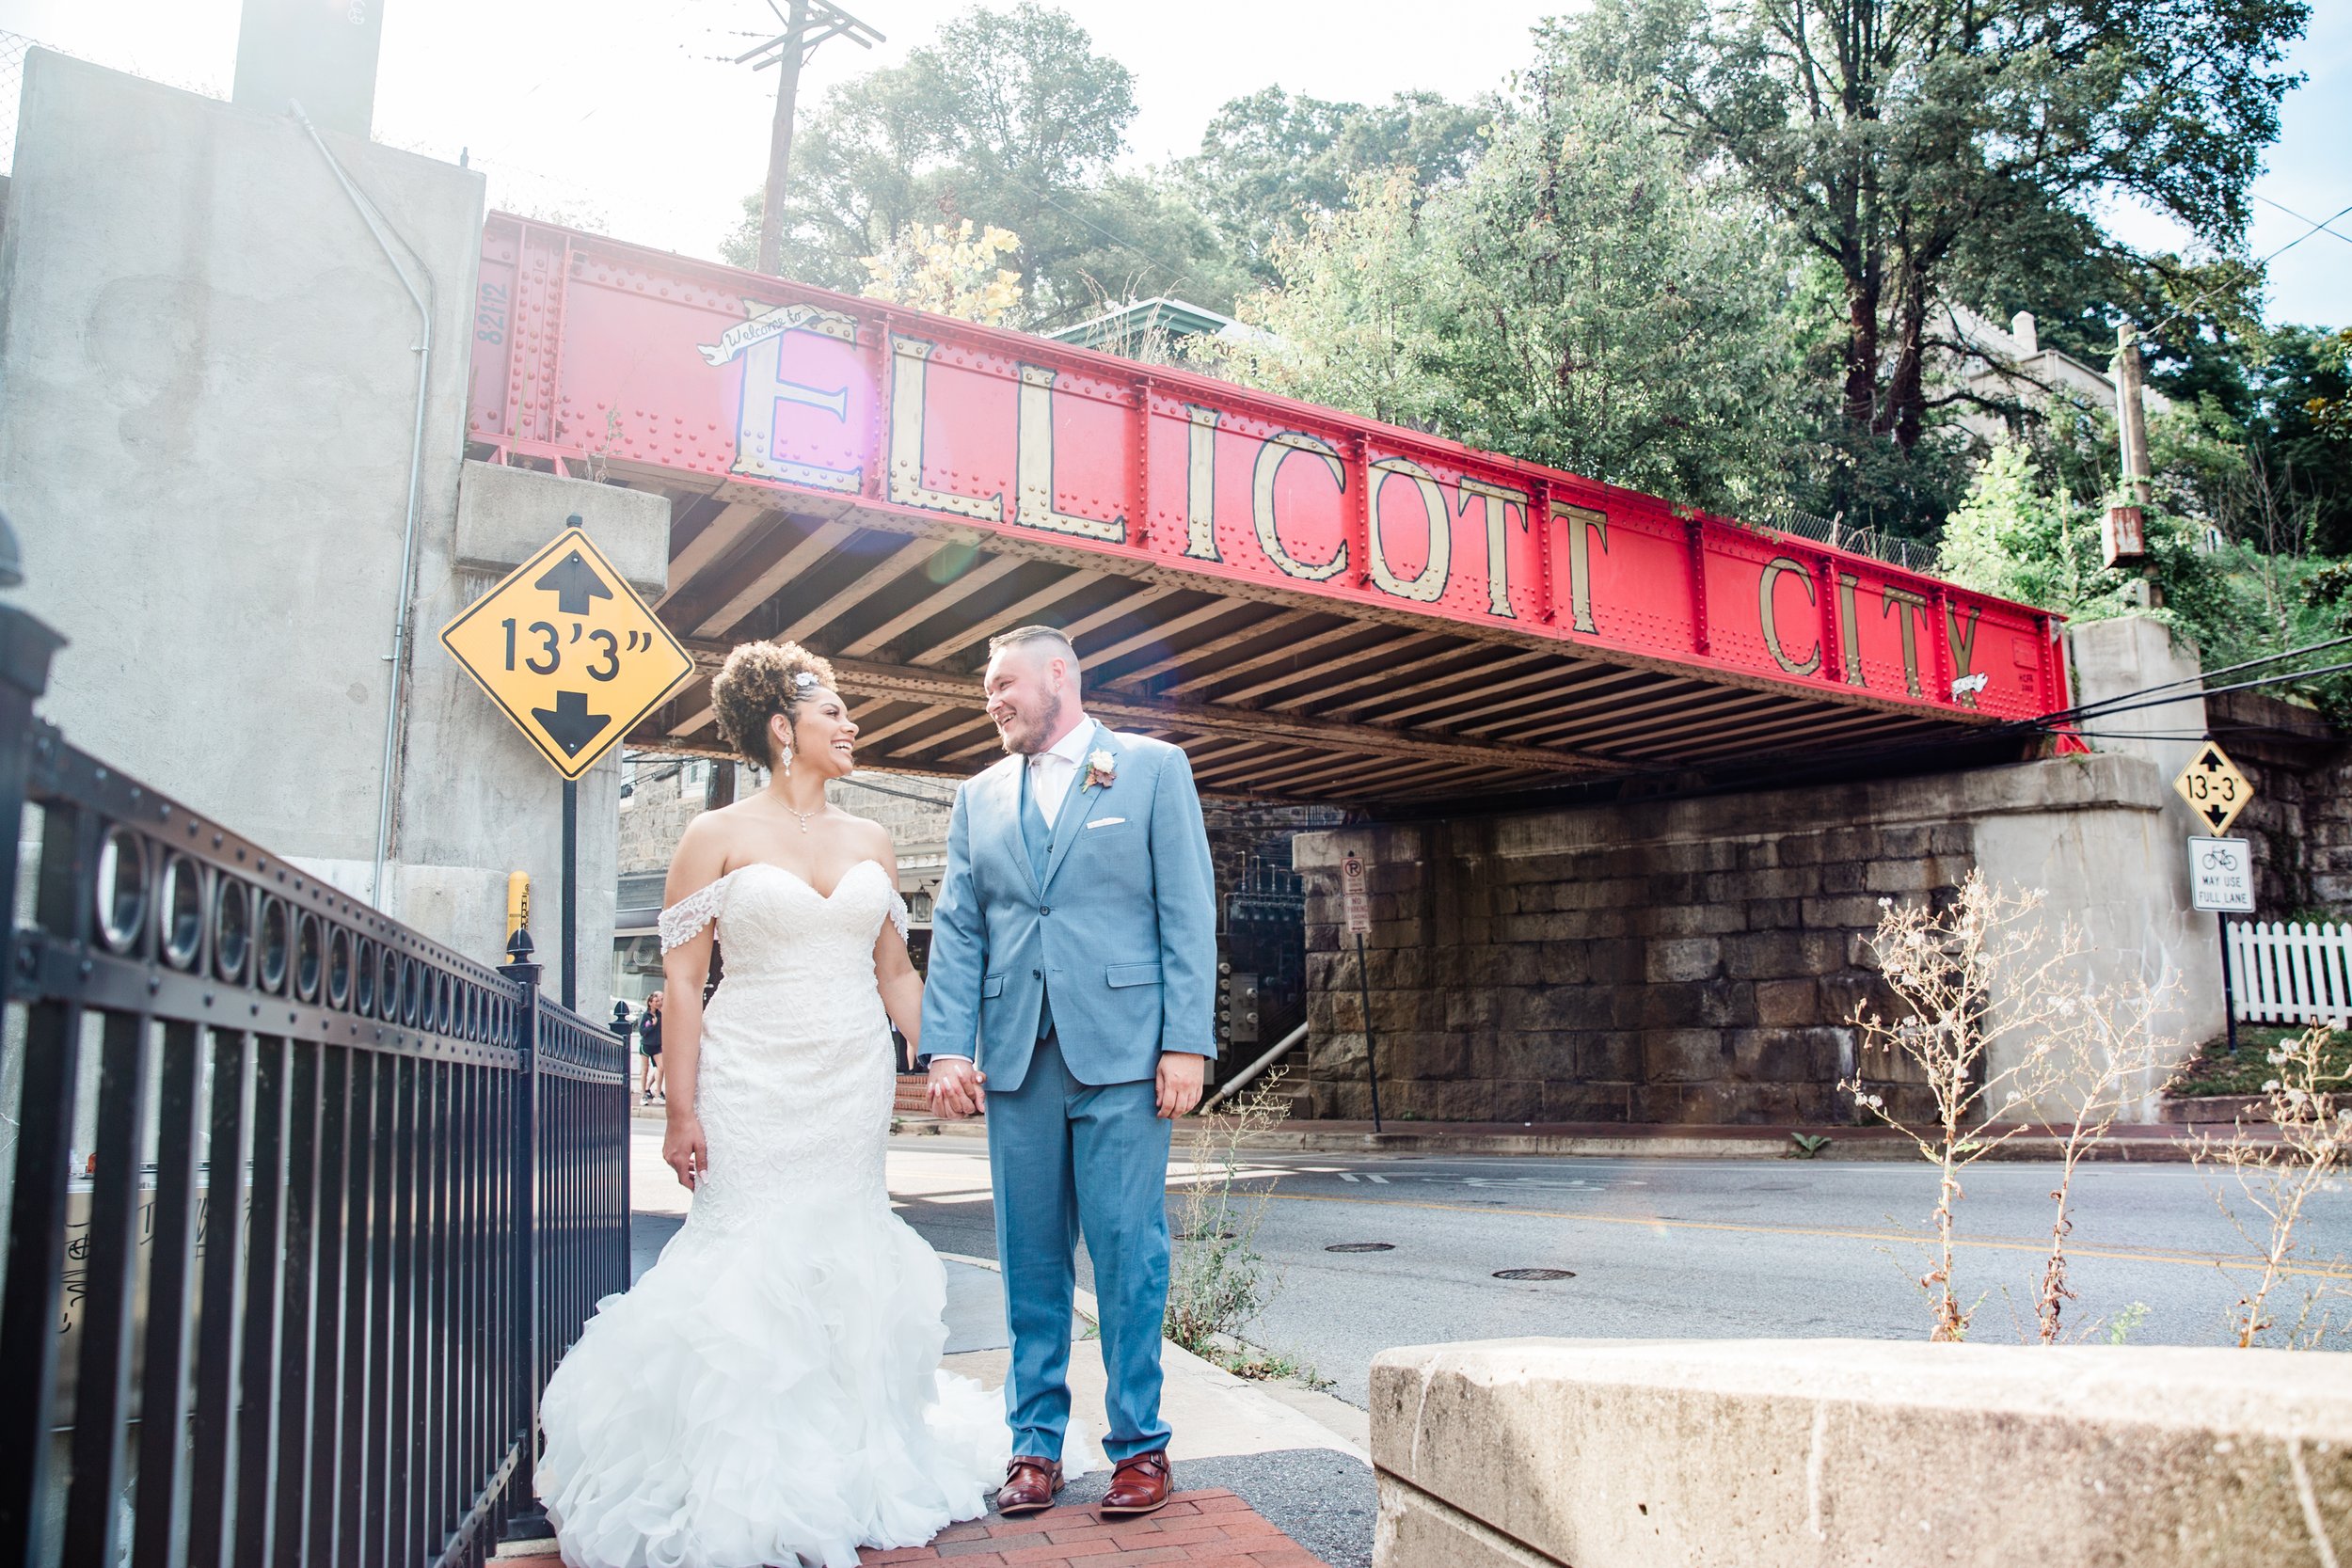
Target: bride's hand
x=683 y=1149
x=954 y=1088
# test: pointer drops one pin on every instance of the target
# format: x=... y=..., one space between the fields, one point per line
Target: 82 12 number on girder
x=569 y=652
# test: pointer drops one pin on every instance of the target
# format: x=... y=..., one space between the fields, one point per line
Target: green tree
x=2024 y=533
x=1579 y=298
x=2301 y=431
x=1013 y=119
x=2020 y=537
x=1924 y=149
x=1274 y=161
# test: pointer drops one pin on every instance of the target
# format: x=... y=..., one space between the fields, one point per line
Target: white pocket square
x=1106 y=822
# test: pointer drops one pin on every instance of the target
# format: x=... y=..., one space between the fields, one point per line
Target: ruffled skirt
x=769 y=1396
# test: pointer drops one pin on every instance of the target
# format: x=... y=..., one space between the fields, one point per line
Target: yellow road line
x=2190 y=1259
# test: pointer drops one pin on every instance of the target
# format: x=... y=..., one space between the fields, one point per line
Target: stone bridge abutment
x=1699 y=961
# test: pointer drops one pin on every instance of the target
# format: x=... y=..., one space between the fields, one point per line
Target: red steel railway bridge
x=1318 y=608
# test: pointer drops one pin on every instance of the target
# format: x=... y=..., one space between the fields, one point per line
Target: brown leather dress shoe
x=1138 y=1485
x=1029 y=1486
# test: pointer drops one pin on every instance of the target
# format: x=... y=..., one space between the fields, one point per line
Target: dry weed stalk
x=1984 y=979
x=2105 y=1053
x=2311 y=1114
x=1218 y=1280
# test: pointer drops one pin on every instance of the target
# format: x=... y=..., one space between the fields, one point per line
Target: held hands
x=955 y=1087
x=1179 y=1082
x=683 y=1149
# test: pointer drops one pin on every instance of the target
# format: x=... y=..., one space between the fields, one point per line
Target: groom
x=1073 y=943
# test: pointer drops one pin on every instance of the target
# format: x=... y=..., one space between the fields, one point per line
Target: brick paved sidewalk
x=1197 y=1530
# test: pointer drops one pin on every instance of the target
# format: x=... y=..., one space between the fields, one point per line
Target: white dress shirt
x=1051 y=772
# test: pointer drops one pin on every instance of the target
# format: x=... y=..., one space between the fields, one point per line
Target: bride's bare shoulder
x=714 y=838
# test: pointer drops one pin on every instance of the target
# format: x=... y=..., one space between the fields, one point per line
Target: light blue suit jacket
x=1121 y=925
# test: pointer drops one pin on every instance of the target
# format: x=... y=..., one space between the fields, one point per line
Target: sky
x=629 y=111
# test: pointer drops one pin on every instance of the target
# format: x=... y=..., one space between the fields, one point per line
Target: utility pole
x=2125 y=536
x=807 y=24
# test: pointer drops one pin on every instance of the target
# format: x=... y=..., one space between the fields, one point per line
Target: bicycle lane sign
x=2221 y=875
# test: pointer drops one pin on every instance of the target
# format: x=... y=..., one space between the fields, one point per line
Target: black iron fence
x=302 y=1206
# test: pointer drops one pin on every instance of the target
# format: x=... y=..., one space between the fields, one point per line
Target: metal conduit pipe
x=1241 y=1079
x=404 y=602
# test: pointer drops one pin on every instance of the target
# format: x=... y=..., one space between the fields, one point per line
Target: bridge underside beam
x=1281 y=698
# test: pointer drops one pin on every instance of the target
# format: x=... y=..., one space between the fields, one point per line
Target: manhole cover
x=1362 y=1247
x=1534 y=1274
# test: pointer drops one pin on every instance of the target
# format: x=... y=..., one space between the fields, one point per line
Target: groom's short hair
x=1055 y=640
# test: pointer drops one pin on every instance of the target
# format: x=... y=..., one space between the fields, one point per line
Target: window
x=693 y=778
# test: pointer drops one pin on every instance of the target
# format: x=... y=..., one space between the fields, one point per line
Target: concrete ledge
x=1765 y=1453
x=504 y=514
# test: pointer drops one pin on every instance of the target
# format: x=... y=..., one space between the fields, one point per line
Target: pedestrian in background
x=649 y=1048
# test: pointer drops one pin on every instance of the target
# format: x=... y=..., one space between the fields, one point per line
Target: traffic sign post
x=1356 y=903
x=567 y=650
x=2221 y=879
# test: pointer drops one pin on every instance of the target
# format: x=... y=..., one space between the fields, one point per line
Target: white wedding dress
x=769 y=1392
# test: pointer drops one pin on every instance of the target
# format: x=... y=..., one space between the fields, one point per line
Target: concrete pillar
x=2132 y=653
x=207 y=398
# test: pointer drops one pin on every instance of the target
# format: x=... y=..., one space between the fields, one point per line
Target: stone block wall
x=1701 y=979
x=2299 y=821
x=1699 y=961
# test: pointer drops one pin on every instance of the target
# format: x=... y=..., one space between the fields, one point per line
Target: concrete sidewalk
x=2159 y=1143
x=1271 y=1476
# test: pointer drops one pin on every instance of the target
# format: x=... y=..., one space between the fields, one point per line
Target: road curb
x=2164 y=1145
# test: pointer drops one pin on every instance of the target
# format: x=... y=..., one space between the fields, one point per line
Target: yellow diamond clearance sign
x=569 y=651
x=2214 y=787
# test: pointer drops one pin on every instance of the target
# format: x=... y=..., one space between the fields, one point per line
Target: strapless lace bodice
x=794 y=1082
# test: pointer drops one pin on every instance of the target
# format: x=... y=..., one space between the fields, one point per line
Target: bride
x=769 y=1392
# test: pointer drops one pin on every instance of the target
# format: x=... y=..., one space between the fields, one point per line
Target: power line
x=2264 y=262
x=2093 y=710
x=2300 y=219
x=2110 y=710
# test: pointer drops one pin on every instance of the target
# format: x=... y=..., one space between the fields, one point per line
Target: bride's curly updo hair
x=758 y=681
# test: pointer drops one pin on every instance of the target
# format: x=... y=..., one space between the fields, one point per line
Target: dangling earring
x=787 y=762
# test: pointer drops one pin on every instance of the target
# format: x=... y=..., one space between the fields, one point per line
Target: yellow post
x=518 y=902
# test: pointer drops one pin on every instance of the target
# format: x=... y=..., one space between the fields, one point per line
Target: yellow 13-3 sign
x=2214 y=787
x=569 y=652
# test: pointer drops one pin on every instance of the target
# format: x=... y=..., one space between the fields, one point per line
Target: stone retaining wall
x=1698 y=960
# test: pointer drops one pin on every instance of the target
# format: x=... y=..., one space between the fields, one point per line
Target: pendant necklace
x=803 y=815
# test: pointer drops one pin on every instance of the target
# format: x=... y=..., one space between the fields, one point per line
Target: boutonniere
x=1101 y=769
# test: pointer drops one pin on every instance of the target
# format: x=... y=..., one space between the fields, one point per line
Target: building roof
x=1125 y=324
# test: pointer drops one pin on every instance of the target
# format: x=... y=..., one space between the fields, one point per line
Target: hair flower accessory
x=1101 y=769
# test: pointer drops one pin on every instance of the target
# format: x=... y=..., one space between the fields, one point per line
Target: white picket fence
x=2289 y=973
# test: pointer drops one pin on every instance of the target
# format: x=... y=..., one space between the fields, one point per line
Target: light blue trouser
x=1066 y=1159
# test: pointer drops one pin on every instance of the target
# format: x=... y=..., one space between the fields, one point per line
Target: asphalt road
x=1686 y=1249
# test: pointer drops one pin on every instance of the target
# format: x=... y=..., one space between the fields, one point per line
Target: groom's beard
x=1021 y=740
